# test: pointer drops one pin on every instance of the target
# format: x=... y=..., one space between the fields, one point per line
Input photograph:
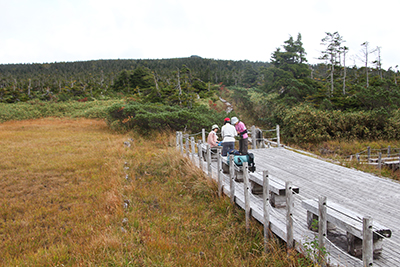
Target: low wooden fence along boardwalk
x=379 y=157
x=357 y=213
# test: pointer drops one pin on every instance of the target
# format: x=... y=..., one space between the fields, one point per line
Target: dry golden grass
x=65 y=200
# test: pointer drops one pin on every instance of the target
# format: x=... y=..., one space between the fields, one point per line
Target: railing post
x=203 y=135
x=232 y=178
x=208 y=159
x=253 y=137
x=200 y=151
x=358 y=157
x=380 y=160
x=187 y=144
x=388 y=152
x=181 y=141
x=266 y=208
x=367 y=245
x=246 y=195
x=219 y=163
x=369 y=154
x=177 y=140
x=192 y=144
x=289 y=217
x=278 y=136
x=322 y=229
x=262 y=139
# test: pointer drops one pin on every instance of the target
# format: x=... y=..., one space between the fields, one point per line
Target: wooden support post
x=181 y=141
x=219 y=163
x=246 y=194
x=369 y=154
x=388 y=152
x=278 y=137
x=199 y=150
x=289 y=217
x=208 y=160
x=266 y=209
x=232 y=178
x=253 y=137
x=187 y=144
x=380 y=160
x=322 y=227
x=192 y=144
x=177 y=140
x=203 y=135
x=367 y=246
x=262 y=139
x=358 y=157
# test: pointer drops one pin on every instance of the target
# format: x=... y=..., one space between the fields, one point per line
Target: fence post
x=232 y=177
x=208 y=159
x=246 y=195
x=278 y=137
x=187 y=144
x=388 y=152
x=203 y=135
x=369 y=154
x=253 y=137
x=266 y=208
x=367 y=246
x=380 y=160
x=192 y=143
x=358 y=157
x=177 y=140
x=220 y=188
x=262 y=139
x=200 y=151
x=181 y=141
x=322 y=227
x=289 y=218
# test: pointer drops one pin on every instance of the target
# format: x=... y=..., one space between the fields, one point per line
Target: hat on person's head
x=214 y=127
x=234 y=120
x=227 y=119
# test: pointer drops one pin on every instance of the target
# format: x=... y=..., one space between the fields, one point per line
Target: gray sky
x=39 y=31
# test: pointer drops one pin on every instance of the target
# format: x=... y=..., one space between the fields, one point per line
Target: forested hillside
x=312 y=102
x=77 y=80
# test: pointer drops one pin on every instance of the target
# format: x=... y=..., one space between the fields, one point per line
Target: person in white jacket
x=228 y=133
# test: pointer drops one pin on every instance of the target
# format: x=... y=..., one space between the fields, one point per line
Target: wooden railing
x=385 y=156
x=200 y=153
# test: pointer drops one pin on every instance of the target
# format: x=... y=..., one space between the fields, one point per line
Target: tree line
x=287 y=78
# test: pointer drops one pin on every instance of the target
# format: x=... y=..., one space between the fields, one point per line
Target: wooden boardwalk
x=358 y=191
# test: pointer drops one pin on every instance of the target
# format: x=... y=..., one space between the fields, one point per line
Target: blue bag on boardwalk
x=239 y=159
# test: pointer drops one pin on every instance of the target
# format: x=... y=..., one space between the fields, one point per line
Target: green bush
x=147 y=117
x=307 y=124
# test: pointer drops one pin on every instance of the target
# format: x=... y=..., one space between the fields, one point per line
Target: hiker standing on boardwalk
x=243 y=136
x=228 y=133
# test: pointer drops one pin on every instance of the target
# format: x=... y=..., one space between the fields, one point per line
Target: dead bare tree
x=365 y=59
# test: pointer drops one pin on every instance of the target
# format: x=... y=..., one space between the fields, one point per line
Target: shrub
x=145 y=117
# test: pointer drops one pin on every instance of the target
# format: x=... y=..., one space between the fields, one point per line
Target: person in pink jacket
x=212 y=138
x=243 y=136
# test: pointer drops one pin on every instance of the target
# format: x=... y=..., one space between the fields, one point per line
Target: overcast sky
x=39 y=31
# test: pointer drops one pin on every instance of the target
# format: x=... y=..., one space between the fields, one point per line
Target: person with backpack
x=228 y=133
x=243 y=136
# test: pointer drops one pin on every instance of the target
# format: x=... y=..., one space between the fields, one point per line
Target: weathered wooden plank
x=350 y=188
